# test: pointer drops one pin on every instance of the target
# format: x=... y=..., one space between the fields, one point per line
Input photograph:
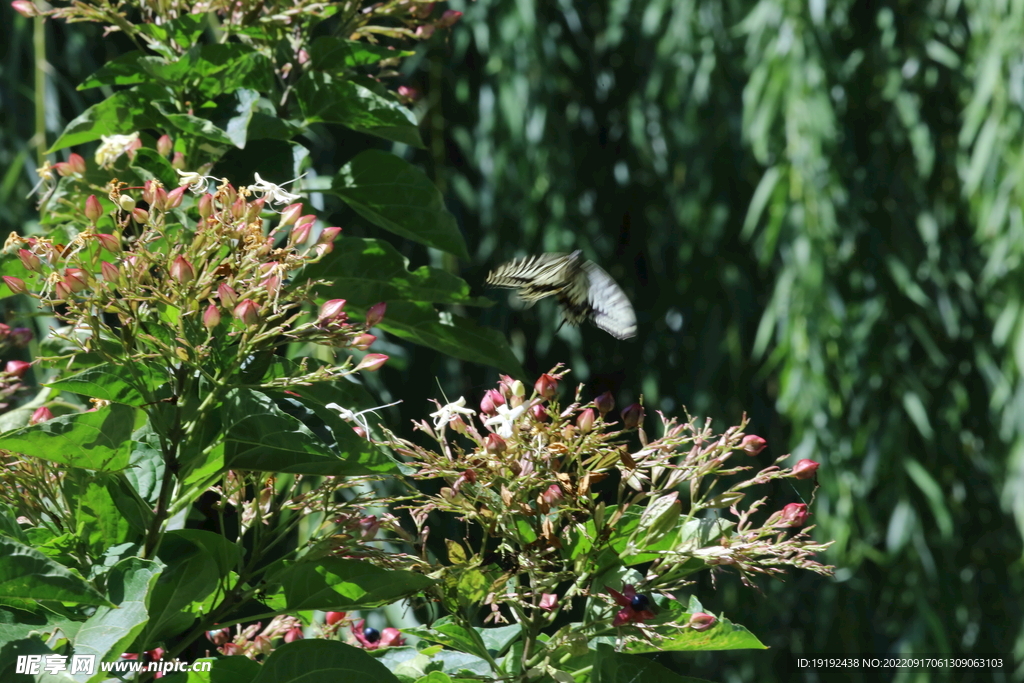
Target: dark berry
x=371 y=634
x=639 y=602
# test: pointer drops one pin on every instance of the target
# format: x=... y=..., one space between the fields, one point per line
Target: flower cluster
x=254 y=641
x=554 y=488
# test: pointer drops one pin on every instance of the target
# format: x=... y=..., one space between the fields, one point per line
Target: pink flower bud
x=409 y=94
x=110 y=243
x=205 y=205
x=425 y=31
x=369 y=526
x=141 y=216
x=553 y=495
x=41 y=414
x=21 y=336
x=605 y=403
x=178 y=162
x=328 y=235
x=492 y=399
x=63 y=169
x=211 y=317
x=15 y=284
x=495 y=445
x=332 y=618
x=271 y=284
x=263 y=644
x=548 y=601
x=75 y=279
x=76 y=163
x=133 y=146
x=164 y=145
x=182 y=271
x=632 y=416
x=29 y=260
x=332 y=311
x=539 y=413
x=752 y=444
x=173 y=200
x=293 y=634
x=147 y=191
x=793 y=515
x=25 y=8
x=5 y=331
x=701 y=621
x=546 y=386
x=299 y=234
x=61 y=291
x=372 y=362
x=228 y=297
x=805 y=469
x=93 y=208
x=248 y=312
x=360 y=432
x=290 y=214
x=306 y=219
x=363 y=341
x=17 y=367
x=109 y=272
x=322 y=250
x=233 y=649
x=376 y=313
x=449 y=18
x=585 y=422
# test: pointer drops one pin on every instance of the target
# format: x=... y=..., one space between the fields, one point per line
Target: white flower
x=196 y=182
x=114 y=146
x=445 y=414
x=275 y=194
x=349 y=416
x=506 y=420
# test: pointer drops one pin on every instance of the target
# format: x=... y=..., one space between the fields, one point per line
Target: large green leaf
x=332 y=54
x=329 y=99
x=365 y=271
x=116 y=382
x=616 y=667
x=395 y=195
x=336 y=584
x=446 y=632
x=123 y=70
x=195 y=125
x=122 y=113
x=322 y=661
x=450 y=334
x=191 y=574
x=108 y=509
x=99 y=440
x=26 y=573
x=260 y=436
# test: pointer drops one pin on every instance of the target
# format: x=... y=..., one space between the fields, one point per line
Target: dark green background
x=815 y=207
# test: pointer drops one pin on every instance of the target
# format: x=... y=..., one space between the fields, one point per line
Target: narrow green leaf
x=395 y=195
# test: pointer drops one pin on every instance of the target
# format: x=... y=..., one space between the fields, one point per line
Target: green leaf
x=194 y=125
x=229 y=67
x=237 y=127
x=616 y=667
x=365 y=271
x=122 y=113
x=322 y=661
x=450 y=334
x=26 y=573
x=184 y=31
x=115 y=382
x=395 y=195
x=336 y=584
x=260 y=436
x=223 y=552
x=446 y=632
x=329 y=99
x=497 y=640
x=191 y=574
x=150 y=165
x=236 y=669
x=108 y=510
x=98 y=440
x=124 y=70
x=111 y=630
x=328 y=53
x=723 y=635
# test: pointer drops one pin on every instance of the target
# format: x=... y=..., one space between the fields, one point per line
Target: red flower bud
x=21 y=336
x=41 y=414
x=109 y=272
x=546 y=386
x=164 y=145
x=332 y=311
x=29 y=260
x=205 y=205
x=75 y=279
x=372 y=362
x=182 y=271
x=290 y=214
x=272 y=284
x=231 y=649
x=492 y=399
x=322 y=250
x=585 y=421
x=25 y=8
x=363 y=341
x=449 y=18
x=61 y=291
x=93 y=208
x=424 y=31
x=173 y=200
x=76 y=163
x=110 y=243
x=148 y=188
x=5 y=331
x=211 y=317
x=548 y=601
x=248 y=312
x=63 y=169
x=293 y=634
x=553 y=495
x=15 y=284
x=409 y=94
x=632 y=416
x=17 y=367
x=140 y=215
x=228 y=297
x=332 y=618
x=376 y=313
x=299 y=234
x=752 y=444
x=539 y=412
x=605 y=403
x=495 y=445
x=328 y=235
x=793 y=515
x=805 y=469
x=701 y=621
